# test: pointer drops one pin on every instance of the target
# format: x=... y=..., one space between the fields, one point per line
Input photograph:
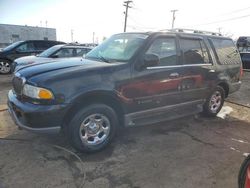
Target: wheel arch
x=102 y=97
x=225 y=86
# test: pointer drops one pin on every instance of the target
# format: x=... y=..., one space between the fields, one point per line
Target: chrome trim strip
x=176 y=66
x=48 y=130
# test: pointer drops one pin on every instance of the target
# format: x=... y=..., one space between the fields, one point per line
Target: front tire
x=5 y=67
x=92 y=128
x=214 y=102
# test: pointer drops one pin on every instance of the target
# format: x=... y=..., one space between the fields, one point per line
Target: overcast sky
x=106 y=17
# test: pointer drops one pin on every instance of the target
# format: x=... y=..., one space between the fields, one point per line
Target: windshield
x=50 y=51
x=120 y=47
x=13 y=45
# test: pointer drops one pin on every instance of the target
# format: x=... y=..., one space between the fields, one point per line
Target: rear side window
x=194 y=51
x=66 y=52
x=82 y=51
x=225 y=51
x=40 y=45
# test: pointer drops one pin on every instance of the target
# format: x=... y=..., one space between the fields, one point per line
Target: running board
x=163 y=113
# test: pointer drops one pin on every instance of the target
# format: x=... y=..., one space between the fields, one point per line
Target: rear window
x=225 y=51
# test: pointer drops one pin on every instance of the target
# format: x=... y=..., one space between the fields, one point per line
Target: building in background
x=12 y=33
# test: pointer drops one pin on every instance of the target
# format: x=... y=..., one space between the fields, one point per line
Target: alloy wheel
x=94 y=129
x=4 y=67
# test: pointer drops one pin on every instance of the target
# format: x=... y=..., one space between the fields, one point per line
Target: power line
x=126 y=4
x=235 y=11
x=221 y=21
x=140 y=25
x=225 y=14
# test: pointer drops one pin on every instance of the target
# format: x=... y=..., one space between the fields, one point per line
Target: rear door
x=40 y=46
x=198 y=73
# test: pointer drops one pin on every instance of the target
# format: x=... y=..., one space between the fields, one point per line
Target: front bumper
x=36 y=118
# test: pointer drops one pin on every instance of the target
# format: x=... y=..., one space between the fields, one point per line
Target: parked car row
x=131 y=79
x=24 y=53
x=54 y=53
x=20 y=49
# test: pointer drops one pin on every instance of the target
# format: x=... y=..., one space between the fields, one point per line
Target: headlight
x=37 y=92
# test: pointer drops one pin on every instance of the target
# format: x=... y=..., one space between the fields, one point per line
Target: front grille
x=18 y=84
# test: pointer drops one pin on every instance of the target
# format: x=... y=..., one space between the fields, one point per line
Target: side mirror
x=151 y=60
x=17 y=51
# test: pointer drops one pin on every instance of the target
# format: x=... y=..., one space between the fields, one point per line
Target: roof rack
x=181 y=30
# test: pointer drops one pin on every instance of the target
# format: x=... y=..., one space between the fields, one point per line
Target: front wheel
x=92 y=128
x=214 y=102
x=5 y=67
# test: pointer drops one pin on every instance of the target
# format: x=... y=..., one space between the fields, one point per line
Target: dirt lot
x=191 y=152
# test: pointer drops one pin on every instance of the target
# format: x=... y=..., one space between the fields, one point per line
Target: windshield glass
x=120 y=47
x=13 y=45
x=49 y=51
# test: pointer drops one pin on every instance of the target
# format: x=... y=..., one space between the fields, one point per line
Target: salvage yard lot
x=190 y=152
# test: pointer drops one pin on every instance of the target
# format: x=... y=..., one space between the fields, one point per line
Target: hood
x=27 y=60
x=63 y=65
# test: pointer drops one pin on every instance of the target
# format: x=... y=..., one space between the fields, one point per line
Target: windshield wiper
x=103 y=59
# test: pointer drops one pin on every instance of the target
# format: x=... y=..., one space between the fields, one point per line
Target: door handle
x=174 y=75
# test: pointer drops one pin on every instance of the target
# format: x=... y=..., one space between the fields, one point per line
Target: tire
x=5 y=67
x=92 y=128
x=243 y=172
x=214 y=102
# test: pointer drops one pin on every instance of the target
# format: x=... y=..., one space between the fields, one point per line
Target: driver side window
x=165 y=49
x=26 y=47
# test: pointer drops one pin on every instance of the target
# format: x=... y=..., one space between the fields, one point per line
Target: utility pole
x=93 y=38
x=72 y=35
x=173 y=11
x=126 y=4
x=219 y=29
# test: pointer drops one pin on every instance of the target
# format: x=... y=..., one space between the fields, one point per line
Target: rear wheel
x=5 y=67
x=92 y=128
x=214 y=102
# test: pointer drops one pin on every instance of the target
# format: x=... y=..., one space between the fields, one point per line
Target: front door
x=158 y=86
x=22 y=50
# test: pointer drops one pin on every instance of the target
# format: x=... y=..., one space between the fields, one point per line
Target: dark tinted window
x=225 y=51
x=194 y=51
x=165 y=48
x=41 y=45
x=82 y=51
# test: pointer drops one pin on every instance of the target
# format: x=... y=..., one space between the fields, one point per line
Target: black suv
x=20 y=49
x=130 y=79
x=243 y=41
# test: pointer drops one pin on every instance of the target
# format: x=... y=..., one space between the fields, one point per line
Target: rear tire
x=92 y=128
x=214 y=102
